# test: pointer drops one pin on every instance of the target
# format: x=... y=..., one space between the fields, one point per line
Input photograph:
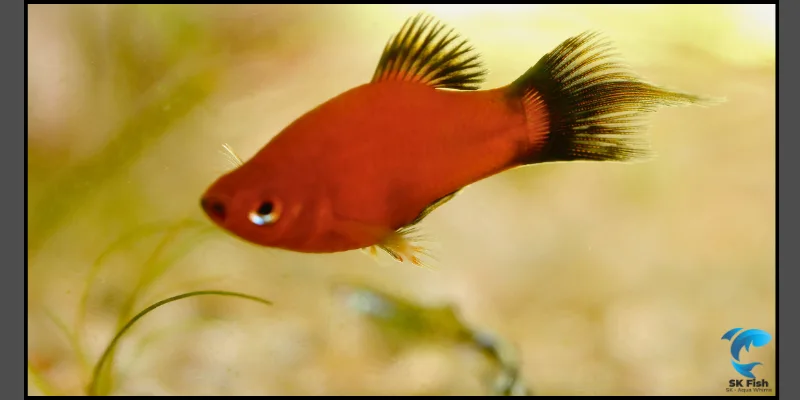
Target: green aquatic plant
x=166 y=254
x=95 y=386
x=149 y=103
x=40 y=382
x=402 y=322
x=178 y=240
x=118 y=245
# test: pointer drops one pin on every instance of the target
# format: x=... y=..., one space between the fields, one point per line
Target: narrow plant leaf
x=94 y=389
x=73 y=341
x=137 y=234
x=40 y=383
x=154 y=267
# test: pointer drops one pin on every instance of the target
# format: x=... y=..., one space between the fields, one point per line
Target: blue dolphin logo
x=754 y=337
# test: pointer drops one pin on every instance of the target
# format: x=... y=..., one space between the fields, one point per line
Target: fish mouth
x=214 y=208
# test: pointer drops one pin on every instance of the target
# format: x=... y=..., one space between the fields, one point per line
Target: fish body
x=377 y=155
x=364 y=168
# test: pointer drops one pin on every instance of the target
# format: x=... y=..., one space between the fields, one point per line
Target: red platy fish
x=361 y=170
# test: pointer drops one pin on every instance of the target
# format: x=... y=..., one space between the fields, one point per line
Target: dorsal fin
x=424 y=52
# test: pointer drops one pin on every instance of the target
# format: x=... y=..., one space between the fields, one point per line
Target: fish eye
x=265 y=214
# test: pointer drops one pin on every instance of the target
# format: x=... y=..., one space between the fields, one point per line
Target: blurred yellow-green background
x=608 y=278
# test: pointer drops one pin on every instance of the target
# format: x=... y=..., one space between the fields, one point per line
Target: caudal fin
x=586 y=106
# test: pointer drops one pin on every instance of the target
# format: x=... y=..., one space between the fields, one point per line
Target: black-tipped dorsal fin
x=426 y=51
